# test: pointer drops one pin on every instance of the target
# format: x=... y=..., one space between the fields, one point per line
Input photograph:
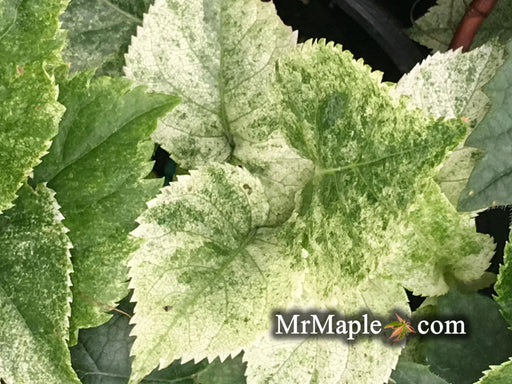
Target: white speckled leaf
x=455 y=172
x=439 y=248
x=97 y=165
x=29 y=40
x=102 y=356
x=490 y=182
x=226 y=51
x=436 y=28
x=207 y=276
x=332 y=361
x=99 y=33
x=202 y=277
x=281 y=170
x=34 y=291
x=450 y=85
x=369 y=153
x=295 y=361
x=219 y=57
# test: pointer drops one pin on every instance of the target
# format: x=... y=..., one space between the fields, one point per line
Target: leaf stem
x=475 y=15
x=100 y=304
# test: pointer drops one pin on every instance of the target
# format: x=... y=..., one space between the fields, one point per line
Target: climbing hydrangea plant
x=366 y=159
x=307 y=183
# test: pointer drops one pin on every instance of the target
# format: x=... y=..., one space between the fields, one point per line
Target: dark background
x=374 y=30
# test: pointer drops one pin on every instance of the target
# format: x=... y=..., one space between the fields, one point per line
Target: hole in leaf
x=247 y=188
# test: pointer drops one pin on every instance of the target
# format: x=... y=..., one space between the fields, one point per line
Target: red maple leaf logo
x=400 y=328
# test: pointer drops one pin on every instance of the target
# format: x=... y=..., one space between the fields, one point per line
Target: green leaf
x=281 y=171
x=462 y=359
x=445 y=248
x=490 y=182
x=439 y=248
x=102 y=356
x=231 y=370
x=450 y=85
x=216 y=276
x=102 y=353
x=30 y=41
x=204 y=254
x=411 y=373
x=219 y=57
x=503 y=286
x=369 y=153
x=34 y=291
x=326 y=361
x=99 y=33
x=501 y=374
x=394 y=324
x=97 y=165
x=227 y=111
x=208 y=275
x=436 y=28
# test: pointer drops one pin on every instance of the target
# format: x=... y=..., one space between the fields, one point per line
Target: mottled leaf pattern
x=219 y=57
x=314 y=188
x=207 y=276
x=439 y=248
x=102 y=356
x=215 y=271
x=281 y=170
x=99 y=33
x=29 y=43
x=326 y=361
x=227 y=51
x=96 y=165
x=490 y=182
x=369 y=152
x=34 y=291
x=450 y=84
